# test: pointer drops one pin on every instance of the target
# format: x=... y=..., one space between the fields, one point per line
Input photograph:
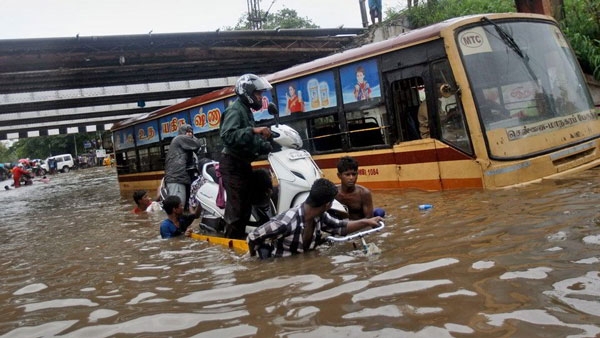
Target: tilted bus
x=504 y=96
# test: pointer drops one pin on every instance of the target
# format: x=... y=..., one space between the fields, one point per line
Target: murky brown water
x=522 y=262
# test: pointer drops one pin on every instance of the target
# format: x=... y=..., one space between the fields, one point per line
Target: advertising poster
x=360 y=81
x=146 y=133
x=169 y=125
x=123 y=139
x=306 y=94
x=207 y=117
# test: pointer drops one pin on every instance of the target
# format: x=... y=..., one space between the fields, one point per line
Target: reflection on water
x=522 y=262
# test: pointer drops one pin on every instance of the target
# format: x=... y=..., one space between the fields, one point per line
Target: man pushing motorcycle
x=243 y=143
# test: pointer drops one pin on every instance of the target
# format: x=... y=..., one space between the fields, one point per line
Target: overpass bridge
x=53 y=86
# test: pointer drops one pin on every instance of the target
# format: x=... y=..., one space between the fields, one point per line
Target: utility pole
x=552 y=8
x=254 y=14
x=363 y=13
x=75 y=143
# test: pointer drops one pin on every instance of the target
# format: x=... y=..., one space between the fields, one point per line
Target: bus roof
x=352 y=55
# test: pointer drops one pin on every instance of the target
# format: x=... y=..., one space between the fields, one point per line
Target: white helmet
x=245 y=87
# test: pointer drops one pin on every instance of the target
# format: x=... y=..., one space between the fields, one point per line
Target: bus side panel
x=457 y=170
x=149 y=181
x=418 y=166
x=421 y=164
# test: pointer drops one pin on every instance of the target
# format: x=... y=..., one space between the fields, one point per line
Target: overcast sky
x=22 y=19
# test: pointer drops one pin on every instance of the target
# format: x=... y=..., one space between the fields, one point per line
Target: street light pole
x=75 y=143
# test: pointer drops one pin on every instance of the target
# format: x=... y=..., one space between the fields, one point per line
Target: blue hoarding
x=169 y=125
x=146 y=133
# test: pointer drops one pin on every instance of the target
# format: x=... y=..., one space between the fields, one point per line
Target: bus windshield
x=525 y=82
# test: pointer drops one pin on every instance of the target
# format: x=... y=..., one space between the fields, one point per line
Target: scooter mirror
x=272 y=109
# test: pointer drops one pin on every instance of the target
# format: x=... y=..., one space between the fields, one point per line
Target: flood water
x=523 y=262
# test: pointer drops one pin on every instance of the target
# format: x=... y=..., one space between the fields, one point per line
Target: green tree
x=284 y=18
x=581 y=25
x=430 y=12
x=44 y=146
x=7 y=155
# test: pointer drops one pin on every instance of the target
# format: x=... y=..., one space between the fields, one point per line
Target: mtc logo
x=471 y=40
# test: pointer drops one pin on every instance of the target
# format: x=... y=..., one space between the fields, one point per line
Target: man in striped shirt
x=300 y=228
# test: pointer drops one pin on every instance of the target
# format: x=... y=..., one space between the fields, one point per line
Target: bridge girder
x=40 y=78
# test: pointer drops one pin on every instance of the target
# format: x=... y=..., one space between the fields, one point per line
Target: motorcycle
x=294 y=170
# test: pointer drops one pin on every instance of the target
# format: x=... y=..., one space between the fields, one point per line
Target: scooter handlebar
x=357 y=234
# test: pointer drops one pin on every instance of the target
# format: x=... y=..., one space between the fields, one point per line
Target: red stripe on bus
x=401 y=158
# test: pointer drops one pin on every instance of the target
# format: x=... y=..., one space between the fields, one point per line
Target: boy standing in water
x=143 y=202
x=357 y=198
x=176 y=223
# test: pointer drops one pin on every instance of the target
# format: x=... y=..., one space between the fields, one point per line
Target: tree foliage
x=581 y=25
x=44 y=146
x=7 y=155
x=284 y=18
x=430 y=12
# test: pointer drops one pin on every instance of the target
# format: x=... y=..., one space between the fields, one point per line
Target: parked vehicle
x=64 y=163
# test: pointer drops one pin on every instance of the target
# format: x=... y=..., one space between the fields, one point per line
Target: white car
x=64 y=163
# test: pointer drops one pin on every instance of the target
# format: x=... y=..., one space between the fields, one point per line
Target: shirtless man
x=357 y=198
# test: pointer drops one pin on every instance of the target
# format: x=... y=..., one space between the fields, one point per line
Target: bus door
x=417 y=161
x=447 y=109
x=456 y=165
x=403 y=90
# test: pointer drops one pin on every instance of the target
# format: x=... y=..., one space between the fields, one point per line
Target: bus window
x=150 y=159
x=450 y=112
x=364 y=129
x=126 y=162
x=493 y=108
x=326 y=133
x=132 y=161
x=144 y=159
x=530 y=75
x=154 y=158
x=214 y=144
x=406 y=103
x=121 y=160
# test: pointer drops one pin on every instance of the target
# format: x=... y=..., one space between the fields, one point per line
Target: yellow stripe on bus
x=235 y=244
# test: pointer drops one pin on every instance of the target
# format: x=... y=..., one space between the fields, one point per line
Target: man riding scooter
x=243 y=143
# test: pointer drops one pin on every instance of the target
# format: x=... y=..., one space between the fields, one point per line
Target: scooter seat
x=209 y=165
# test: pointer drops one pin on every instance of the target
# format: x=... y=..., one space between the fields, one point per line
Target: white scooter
x=294 y=169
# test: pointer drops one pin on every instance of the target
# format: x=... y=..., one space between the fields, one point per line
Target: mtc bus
x=484 y=101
